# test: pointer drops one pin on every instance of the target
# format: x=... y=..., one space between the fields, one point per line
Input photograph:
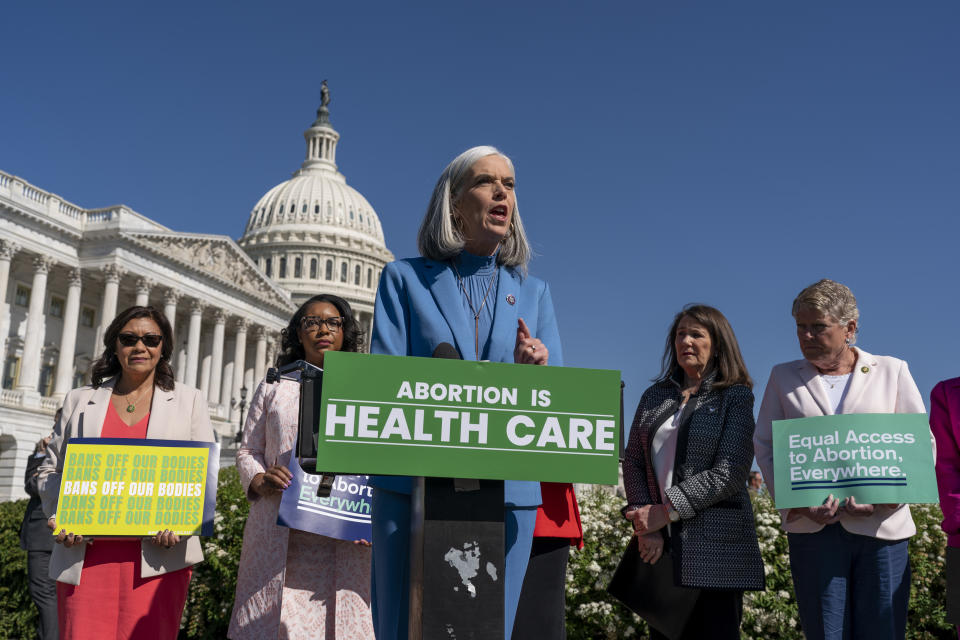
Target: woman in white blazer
x=851 y=572
x=130 y=588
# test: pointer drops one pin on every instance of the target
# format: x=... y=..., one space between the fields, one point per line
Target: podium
x=457 y=563
x=460 y=428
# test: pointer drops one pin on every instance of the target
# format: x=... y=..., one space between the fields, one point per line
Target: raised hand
x=528 y=350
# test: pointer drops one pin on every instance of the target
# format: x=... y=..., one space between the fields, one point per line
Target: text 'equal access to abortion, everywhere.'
x=874 y=457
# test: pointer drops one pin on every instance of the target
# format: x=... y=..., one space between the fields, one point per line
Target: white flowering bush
x=592 y=613
x=928 y=583
x=771 y=613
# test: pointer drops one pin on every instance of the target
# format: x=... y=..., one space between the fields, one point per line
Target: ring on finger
x=533 y=348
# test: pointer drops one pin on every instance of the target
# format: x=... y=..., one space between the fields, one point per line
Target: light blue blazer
x=419 y=306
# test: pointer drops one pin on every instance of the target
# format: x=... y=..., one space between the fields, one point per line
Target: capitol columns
x=33 y=341
x=170 y=298
x=239 y=358
x=143 y=292
x=108 y=310
x=216 y=363
x=68 y=339
x=7 y=250
x=259 y=364
x=193 y=343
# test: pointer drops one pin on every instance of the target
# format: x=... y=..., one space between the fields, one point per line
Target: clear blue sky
x=723 y=152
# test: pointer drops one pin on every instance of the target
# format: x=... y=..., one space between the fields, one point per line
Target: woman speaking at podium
x=469 y=289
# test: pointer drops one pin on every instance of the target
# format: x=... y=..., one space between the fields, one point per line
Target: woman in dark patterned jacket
x=685 y=471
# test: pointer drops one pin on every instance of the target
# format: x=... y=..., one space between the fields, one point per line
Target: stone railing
x=10 y=398
x=53 y=206
x=71 y=211
x=102 y=215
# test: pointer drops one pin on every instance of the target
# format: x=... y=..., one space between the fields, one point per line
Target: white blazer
x=878 y=384
x=180 y=414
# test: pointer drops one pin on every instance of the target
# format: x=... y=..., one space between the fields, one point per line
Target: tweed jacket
x=714 y=545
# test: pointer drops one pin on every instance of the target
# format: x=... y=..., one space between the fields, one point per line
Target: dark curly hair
x=108 y=365
x=291 y=348
x=727 y=361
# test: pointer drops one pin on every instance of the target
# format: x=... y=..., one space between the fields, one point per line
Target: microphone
x=446 y=350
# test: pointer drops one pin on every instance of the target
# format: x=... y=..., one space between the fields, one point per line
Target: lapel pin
x=865 y=369
x=511 y=299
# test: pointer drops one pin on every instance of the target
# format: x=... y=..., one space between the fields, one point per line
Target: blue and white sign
x=344 y=515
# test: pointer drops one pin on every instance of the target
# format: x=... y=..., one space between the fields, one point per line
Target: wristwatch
x=673 y=515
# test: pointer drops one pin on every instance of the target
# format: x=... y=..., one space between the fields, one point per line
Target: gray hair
x=440 y=239
x=829 y=298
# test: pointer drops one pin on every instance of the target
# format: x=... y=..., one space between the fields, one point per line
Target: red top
x=559 y=515
x=115 y=427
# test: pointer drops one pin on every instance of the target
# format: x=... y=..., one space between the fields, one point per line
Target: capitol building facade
x=65 y=272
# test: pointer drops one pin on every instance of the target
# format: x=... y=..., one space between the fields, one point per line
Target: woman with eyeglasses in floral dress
x=291 y=583
x=131 y=587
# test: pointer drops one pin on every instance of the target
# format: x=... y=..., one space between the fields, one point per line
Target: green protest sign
x=874 y=457
x=390 y=415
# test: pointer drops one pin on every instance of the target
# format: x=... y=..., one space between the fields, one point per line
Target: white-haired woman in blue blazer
x=470 y=289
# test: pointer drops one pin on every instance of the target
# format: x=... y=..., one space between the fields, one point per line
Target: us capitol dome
x=315 y=233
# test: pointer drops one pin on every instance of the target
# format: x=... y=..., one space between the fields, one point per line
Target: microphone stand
x=310 y=378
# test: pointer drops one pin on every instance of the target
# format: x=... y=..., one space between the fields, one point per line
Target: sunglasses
x=150 y=340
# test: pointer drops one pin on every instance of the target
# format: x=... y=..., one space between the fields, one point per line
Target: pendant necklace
x=476 y=312
x=132 y=406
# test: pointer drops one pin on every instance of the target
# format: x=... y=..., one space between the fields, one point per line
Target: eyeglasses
x=312 y=324
x=150 y=340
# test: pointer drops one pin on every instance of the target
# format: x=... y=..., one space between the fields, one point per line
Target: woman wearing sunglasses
x=291 y=583
x=131 y=587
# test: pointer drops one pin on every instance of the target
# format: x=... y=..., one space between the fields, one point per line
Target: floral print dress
x=291 y=584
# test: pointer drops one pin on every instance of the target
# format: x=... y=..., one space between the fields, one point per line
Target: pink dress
x=291 y=584
x=112 y=600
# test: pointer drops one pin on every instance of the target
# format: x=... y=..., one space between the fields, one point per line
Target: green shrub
x=592 y=613
x=18 y=615
x=928 y=585
x=214 y=584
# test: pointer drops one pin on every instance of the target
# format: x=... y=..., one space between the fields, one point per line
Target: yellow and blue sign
x=133 y=487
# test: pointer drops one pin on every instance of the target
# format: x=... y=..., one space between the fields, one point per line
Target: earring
x=848 y=341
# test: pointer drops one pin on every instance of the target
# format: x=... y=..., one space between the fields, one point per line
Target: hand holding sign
x=851 y=507
x=528 y=350
x=70 y=540
x=166 y=539
x=272 y=481
x=825 y=514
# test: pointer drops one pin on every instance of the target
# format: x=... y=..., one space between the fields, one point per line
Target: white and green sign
x=389 y=415
x=874 y=457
